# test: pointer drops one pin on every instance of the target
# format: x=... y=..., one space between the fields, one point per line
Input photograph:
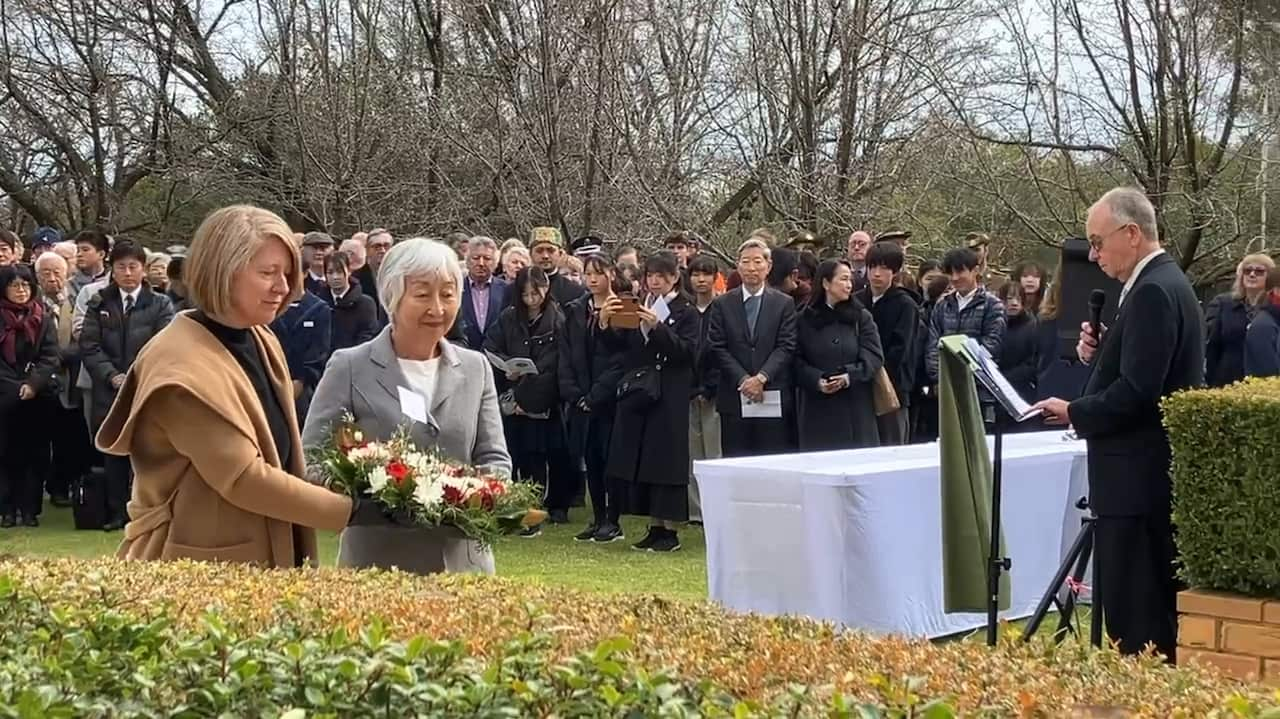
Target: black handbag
x=640 y=388
x=89 y=500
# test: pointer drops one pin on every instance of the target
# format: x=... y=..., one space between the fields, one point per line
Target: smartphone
x=626 y=318
x=828 y=376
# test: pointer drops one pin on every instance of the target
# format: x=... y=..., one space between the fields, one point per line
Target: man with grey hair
x=70 y=445
x=483 y=295
x=1154 y=348
x=355 y=254
x=377 y=244
x=751 y=338
x=856 y=253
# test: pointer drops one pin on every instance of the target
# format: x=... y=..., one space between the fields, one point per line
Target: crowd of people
x=633 y=364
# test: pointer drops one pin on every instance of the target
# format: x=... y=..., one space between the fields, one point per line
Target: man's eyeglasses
x=1095 y=243
x=1254 y=271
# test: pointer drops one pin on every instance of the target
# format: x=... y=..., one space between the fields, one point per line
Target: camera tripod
x=1069 y=580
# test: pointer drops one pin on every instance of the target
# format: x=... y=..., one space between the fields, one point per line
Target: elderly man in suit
x=483 y=294
x=752 y=337
x=412 y=369
x=1154 y=348
x=70 y=444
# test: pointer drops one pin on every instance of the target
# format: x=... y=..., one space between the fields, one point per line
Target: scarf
x=26 y=319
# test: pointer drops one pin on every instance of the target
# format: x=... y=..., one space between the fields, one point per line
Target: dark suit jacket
x=739 y=355
x=498 y=291
x=1154 y=348
x=369 y=286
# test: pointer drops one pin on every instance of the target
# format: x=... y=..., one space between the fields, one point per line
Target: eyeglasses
x=1257 y=271
x=1095 y=243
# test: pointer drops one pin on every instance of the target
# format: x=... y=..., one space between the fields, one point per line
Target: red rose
x=495 y=487
x=399 y=471
x=453 y=495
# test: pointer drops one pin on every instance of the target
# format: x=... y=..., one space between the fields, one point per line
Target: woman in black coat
x=589 y=374
x=531 y=329
x=355 y=319
x=1227 y=318
x=1019 y=353
x=837 y=357
x=28 y=358
x=649 y=450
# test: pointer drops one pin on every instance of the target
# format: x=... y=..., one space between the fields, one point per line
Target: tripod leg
x=1050 y=596
x=1095 y=606
x=1067 y=618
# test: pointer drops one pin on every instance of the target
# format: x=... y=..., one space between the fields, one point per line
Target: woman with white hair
x=408 y=368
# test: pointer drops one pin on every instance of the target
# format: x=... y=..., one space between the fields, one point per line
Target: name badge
x=308 y=323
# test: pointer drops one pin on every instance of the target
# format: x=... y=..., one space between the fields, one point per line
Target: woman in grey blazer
x=409 y=366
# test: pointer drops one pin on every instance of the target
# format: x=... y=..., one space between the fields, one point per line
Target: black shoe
x=668 y=542
x=608 y=533
x=114 y=525
x=587 y=534
x=558 y=516
x=530 y=532
x=7 y=521
x=59 y=500
x=31 y=521
x=649 y=539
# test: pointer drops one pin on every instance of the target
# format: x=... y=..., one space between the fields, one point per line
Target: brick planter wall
x=1239 y=635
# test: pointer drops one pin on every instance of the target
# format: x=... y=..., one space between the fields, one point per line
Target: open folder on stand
x=988 y=374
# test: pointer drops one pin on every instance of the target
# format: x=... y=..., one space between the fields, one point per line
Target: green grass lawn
x=553 y=558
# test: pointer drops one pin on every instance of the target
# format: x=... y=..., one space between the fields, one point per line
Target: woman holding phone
x=649 y=449
x=837 y=357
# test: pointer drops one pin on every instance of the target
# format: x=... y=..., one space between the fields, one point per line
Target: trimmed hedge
x=1226 y=486
x=108 y=638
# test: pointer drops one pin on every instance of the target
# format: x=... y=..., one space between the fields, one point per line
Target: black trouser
x=70 y=447
x=752 y=437
x=24 y=459
x=1133 y=568
x=119 y=476
x=565 y=479
x=604 y=502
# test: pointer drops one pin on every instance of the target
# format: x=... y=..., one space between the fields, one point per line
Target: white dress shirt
x=962 y=301
x=1137 y=270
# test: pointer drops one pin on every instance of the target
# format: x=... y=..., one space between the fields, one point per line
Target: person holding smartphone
x=837 y=357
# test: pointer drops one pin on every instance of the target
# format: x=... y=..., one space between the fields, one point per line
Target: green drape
x=966 y=486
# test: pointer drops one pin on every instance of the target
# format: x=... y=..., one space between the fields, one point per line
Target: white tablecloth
x=855 y=536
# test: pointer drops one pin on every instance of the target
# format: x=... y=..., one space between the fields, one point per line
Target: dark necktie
x=753 y=313
x=128 y=304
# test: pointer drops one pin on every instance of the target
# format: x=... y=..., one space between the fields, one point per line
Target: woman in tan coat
x=206 y=413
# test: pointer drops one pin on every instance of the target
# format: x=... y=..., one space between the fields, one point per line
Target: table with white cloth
x=855 y=536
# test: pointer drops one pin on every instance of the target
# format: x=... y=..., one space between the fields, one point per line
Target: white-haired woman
x=420 y=285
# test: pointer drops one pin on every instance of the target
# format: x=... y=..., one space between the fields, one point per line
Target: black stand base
x=1069 y=580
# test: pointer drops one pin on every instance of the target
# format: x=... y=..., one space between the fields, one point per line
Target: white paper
x=519 y=366
x=990 y=375
x=770 y=407
x=413 y=405
x=660 y=309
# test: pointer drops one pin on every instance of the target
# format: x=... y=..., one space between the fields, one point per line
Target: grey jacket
x=463 y=423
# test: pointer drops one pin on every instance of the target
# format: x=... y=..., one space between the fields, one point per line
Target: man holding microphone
x=1154 y=348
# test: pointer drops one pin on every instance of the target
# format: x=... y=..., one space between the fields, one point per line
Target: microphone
x=1097 y=299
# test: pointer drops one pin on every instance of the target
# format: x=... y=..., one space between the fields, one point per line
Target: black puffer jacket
x=1019 y=354
x=355 y=319
x=513 y=336
x=110 y=341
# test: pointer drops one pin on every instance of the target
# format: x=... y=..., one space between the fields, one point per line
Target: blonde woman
x=206 y=416
x=1227 y=317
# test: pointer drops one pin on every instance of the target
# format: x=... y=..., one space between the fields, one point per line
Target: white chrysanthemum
x=429 y=494
x=378 y=479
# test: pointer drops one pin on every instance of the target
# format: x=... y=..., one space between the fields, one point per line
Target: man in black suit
x=483 y=295
x=1154 y=348
x=856 y=253
x=752 y=337
x=377 y=244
